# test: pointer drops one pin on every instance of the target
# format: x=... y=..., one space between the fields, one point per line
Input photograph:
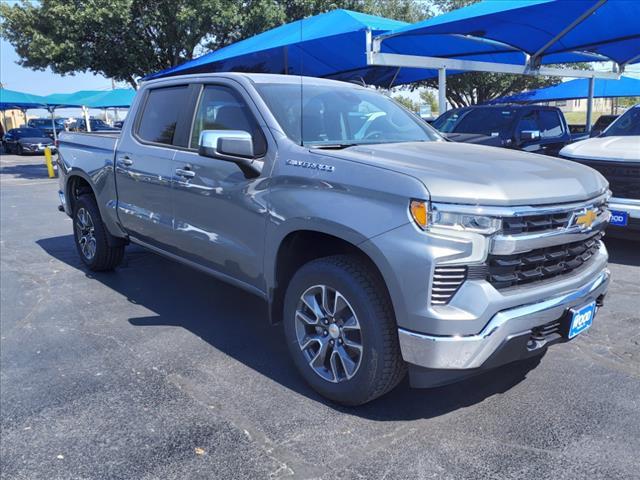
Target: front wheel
x=341 y=331
x=19 y=149
x=90 y=236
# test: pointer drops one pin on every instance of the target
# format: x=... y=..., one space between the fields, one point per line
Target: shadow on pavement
x=623 y=251
x=236 y=323
x=27 y=171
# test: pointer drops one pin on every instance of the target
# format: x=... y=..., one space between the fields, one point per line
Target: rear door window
x=550 y=124
x=160 y=115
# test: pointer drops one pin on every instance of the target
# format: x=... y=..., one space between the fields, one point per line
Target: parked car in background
x=44 y=124
x=380 y=246
x=616 y=155
x=96 y=125
x=118 y=124
x=530 y=128
x=602 y=124
x=578 y=131
x=26 y=140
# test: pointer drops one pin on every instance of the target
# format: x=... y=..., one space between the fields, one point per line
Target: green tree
x=407 y=102
x=126 y=39
x=429 y=98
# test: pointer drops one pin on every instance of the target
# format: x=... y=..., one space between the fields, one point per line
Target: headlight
x=465 y=221
x=427 y=216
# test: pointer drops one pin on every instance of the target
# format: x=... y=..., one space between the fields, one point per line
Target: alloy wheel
x=85 y=232
x=328 y=333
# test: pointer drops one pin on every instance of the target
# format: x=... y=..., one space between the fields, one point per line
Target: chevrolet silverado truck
x=615 y=153
x=380 y=246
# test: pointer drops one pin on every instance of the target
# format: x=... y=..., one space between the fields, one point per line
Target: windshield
x=486 y=121
x=344 y=116
x=445 y=122
x=40 y=123
x=628 y=124
x=29 y=132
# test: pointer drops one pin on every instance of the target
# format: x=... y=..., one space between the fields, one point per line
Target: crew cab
x=615 y=153
x=378 y=245
x=531 y=128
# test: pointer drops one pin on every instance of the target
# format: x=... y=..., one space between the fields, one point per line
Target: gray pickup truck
x=381 y=246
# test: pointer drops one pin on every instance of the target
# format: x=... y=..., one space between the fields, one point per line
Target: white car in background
x=616 y=154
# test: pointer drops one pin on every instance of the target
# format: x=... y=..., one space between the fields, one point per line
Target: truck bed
x=83 y=143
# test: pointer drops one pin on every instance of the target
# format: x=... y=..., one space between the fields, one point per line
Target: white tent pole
x=442 y=90
x=87 y=123
x=592 y=82
x=53 y=123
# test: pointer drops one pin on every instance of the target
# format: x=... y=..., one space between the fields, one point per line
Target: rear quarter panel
x=91 y=156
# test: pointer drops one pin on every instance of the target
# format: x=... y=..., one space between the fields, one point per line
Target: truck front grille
x=623 y=177
x=504 y=271
x=446 y=282
x=540 y=223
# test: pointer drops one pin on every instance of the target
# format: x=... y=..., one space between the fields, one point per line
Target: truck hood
x=475 y=138
x=619 y=149
x=481 y=175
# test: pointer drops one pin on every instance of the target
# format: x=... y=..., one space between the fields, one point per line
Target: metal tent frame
x=532 y=62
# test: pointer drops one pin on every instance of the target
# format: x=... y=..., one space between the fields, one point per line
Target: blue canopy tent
x=544 y=31
x=333 y=45
x=117 y=98
x=75 y=99
x=11 y=99
x=14 y=100
x=579 y=88
x=323 y=45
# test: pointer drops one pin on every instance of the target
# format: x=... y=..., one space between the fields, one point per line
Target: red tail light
x=56 y=143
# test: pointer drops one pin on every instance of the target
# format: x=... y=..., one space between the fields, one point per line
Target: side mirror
x=529 y=135
x=232 y=146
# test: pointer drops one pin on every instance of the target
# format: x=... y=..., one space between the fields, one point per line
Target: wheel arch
x=302 y=245
x=78 y=183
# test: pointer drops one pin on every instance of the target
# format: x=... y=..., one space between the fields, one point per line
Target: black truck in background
x=531 y=128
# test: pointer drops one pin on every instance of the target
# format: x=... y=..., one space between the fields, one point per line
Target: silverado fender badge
x=311 y=165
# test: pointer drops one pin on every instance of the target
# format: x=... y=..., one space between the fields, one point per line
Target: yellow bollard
x=47 y=156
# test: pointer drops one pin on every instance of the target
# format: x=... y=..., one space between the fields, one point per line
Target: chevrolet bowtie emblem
x=586 y=219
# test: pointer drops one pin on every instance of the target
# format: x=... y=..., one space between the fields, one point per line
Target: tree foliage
x=429 y=98
x=407 y=102
x=126 y=39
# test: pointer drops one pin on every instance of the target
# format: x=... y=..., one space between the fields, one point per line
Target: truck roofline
x=255 y=78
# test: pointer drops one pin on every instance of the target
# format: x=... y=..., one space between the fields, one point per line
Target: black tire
x=19 y=149
x=381 y=366
x=105 y=257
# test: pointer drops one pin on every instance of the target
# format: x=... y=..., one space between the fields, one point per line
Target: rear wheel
x=91 y=236
x=19 y=149
x=341 y=331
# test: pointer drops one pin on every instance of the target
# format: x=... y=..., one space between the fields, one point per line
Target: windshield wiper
x=333 y=146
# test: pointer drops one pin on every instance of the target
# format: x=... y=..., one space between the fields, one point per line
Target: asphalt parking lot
x=157 y=371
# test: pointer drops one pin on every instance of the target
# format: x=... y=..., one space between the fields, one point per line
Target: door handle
x=126 y=161
x=185 y=172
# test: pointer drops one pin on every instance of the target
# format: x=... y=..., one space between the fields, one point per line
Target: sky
x=16 y=77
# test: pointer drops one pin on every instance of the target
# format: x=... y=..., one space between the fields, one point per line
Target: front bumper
x=35 y=148
x=472 y=351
